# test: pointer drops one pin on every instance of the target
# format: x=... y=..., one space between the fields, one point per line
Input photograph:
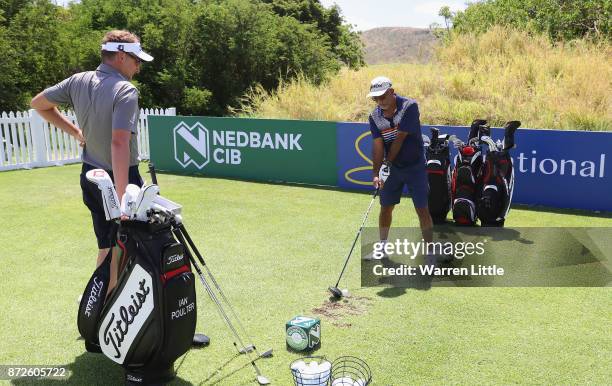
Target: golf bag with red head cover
x=149 y=320
x=498 y=179
x=438 y=166
x=466 y=180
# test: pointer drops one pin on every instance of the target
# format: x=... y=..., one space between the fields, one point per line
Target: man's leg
x=384 y=221
x=426 y=223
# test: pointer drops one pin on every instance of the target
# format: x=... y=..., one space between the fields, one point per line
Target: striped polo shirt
x=406 y=119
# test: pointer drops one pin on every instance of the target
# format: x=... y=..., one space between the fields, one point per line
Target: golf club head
x=171 y=206
x=489 y=141
x=509 y=130
x=435 y=132
x=475 y=127
x=426 y=140
x=263 y=380
x=110 y=200
x=246 y=349
x=336 y=292
x=144 y=201
x=266 y=354
x=129 y=199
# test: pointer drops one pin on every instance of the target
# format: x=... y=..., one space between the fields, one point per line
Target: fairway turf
x=274 y=250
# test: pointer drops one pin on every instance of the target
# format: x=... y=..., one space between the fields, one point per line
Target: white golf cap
x=133 y=48
x=379 y=86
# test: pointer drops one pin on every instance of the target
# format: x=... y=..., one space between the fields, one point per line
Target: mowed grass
x=275 y=249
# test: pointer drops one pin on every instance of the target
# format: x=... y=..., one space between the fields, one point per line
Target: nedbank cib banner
x=252 y=149
x=562 y=169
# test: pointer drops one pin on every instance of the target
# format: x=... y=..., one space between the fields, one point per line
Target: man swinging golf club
x=398 y=156
x=399 y=160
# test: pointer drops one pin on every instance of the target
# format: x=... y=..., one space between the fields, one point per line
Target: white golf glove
x=384 y=172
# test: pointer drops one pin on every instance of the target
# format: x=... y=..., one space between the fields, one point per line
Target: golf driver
x=261 y=379
x=335 y=291
x=129 y=199
x=110 y=200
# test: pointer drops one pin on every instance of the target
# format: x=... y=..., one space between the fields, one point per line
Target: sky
x=368 y=14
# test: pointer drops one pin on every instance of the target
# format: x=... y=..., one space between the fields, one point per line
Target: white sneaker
x=371 y=256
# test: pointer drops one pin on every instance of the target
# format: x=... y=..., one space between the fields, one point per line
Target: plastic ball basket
x=350 y=371
x=311 y=371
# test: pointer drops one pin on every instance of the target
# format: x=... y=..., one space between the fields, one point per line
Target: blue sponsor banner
x=562 y=169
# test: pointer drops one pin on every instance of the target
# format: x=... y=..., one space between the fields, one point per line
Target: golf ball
x=325 y=366
x=359 y=382
x=345 y=292
x=298 y=365
x=344 y=381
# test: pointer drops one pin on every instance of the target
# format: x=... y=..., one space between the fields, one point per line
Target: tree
x=446 y=13
x=344 y=42
x=559 y=19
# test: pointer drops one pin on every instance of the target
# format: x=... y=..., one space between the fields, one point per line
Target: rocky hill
x=397 y=45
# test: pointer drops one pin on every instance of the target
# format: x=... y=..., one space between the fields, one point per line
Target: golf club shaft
x=222 y=312
x=209 y=290
x=184 y=232
x=365 y=217
x=152 y=172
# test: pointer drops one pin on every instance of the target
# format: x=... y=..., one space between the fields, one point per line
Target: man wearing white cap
x=398 y=155
x=106 y=107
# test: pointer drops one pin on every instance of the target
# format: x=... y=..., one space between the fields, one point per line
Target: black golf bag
x=466 y=178
x=498 y=179
x=149 y=320
x=438 y=163
x=465 y=184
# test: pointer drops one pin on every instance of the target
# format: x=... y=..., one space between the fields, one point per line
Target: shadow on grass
x=89 y=369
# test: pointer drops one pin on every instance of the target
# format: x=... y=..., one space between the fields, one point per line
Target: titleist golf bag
x=149 y=319
x=497 y=178
x=466 y=180
x=438 y=165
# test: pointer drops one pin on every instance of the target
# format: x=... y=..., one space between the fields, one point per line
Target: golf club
x=335 y=291
x=262 y=380
x=109 y=195
x=144 y=201
x=173 y=210
x=152 y=172
x=244 y=349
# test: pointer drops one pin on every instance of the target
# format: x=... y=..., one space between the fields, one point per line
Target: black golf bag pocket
x=92 y=301
x=130 y=327
x=180 y=315
x=498 y=185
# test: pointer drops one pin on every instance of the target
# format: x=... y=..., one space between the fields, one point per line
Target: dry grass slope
x=500 y=75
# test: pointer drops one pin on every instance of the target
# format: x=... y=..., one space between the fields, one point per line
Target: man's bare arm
x=51 y=114
x=120 y=154
x=396 y=145
x=378 y=151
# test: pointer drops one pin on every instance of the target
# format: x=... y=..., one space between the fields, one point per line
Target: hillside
x=397 y=45
x=500 y=75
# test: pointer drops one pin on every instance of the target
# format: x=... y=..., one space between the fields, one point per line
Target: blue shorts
x=414 y=177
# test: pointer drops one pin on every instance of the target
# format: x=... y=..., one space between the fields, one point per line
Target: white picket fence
x=27 y=140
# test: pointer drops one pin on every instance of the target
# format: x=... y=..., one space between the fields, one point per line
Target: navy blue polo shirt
x=406 y=119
